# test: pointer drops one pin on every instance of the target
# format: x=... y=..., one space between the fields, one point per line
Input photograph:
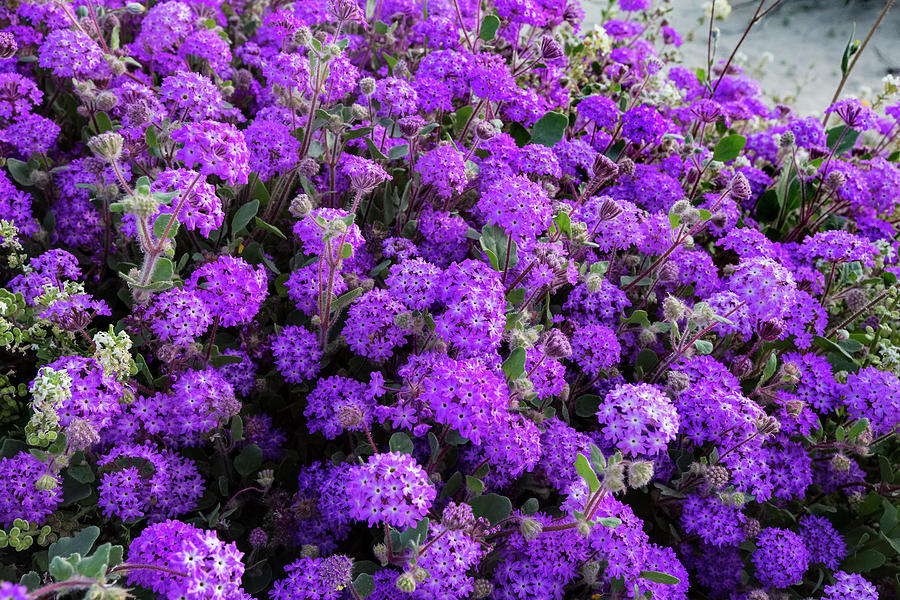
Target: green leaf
x=586 y=472
x=400 y=442
x=768 y=207
x=237 y=429
x=81 y=543
x=415 y=534
x=657 y=577
x=364 y=585
x=81 y=473
x=492 y=507
x=398 y=151
x=345 y=299
x=531 y=506
x=705 y=215
x=164 y=270
x=489 y=26
x=703 y=347
x=346 y=251
x=848 y=51
x=373 y=150
x=357 y=133
x=729 y=148
x=494 y=242
x=863 y=561
x=61 y=569
x=270 y=228
x=858 y=428
x=95 y=565
x=514 y=365
x=549 y=129
x=674 y=220
x=846 y=142
x=19 y=170
x=587 y=405
x=220 y=360
x=104 y=123
x=646 y=359
x=161 y=222
x=249 y=460
x=244 y=215
x=771 y=364
x=474 y=485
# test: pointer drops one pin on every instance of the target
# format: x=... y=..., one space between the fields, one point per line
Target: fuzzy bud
x=46 y=482
x=669 y=271
x=349 y=416
x=107 y=100
x=787 y=139
x=302 y=36
x=381 y=553
x=717 y=477
x=771 y=330
x=367 y=86
x=300 y=206
x=741 y=367
x=751 y=528
x=593 y=282
x=840 y=463
x=856 y=299
x=646 y=338
x=485 y=130
x=583 y=527
x=758 y=595
x=39 y=179
x=604 y=169
x=677 y=381
x=640 y=472
x=482 y=589
x=673 y=309
x=107 y=146
x=530 y=528
x=309 y=551
x=614 y=477
x=358 y=112
x=266 y=478
x=609 y=210
x=835 y=180
x=550 y=49
x=557 y=345
x=740 y=188
x=81 y=434
x=406 y=583
x=767 y=426
x=626 y=166
x=308 y=167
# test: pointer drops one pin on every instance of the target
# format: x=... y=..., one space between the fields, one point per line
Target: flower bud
x=302 y=36
x=46 y=482
x=358 y=112
x=740 y=188
x=835 y=180
x=604 y=169
x=673 y=309
x=589 y=572
x=640 y=472
x=677 y=381
x=717 y=477
x=482 y=589
x=367 y=86
x=381 y=553
x=530 y=528
x=107 y=146
x=583 y=528
x=794 y=407
x=771 y=330
x=758 y=594
x=300 y=206
x=840 y=463
x=556 y=345
x=350 y=416
x=550 y=49
x=406 y=583
x=308 y=167
x=593 y=282
x=39 y=179
x=751 y=528
x=485 y=130
x=309 y=551
x=787 y=139
x=266 y=478
x=626 y=166
x=741 y=367
x=609 y=210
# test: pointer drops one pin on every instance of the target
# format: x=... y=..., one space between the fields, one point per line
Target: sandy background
x=806 y=39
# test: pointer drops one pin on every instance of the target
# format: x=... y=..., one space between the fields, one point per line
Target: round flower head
x=30 y=134
x=539 y=161
x=94 y=394
x=825 y=545
x=297 y=353
x=190 y=96
x=273 y=150
x=638 y=419
x=874 y=395
x=141 y=481
x=231 y=288
x=850 y=586
x=854 y=113
x=211 y=568
x=519 y=206
x=215 y=149
x=414 y=282
x=371 y=330
x=314 y=579
x=766 y=287
x=71 y=53
x=339 y=404
x=203 y=209
x=200 y=401
x=643 y=124
x=780 y=558
x=600 y=110
x=444 y=169
x=12 y=591
x=179 y=316
x=327 y=223
x=561 y=443
x=595 y=348
x=28 y=489
x=390 y=488
x=839 y=246
x=304 y=284
x=717 y=523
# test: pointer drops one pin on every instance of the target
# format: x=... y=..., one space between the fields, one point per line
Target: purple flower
x=190 y=96
x=638 y=419
x=297 y=353
x=850 y=586
x=13 y=591
x=518 y=205
x=339 y=404
x=595 y=348
x=444 y=169
x=314 y=578
x=371 y=328
x=780 y=558
x=71 y=54
x=215 y=149
x=716 y=523
x=825 y=545
x=29 y=489
x=232 y=289
x=272 y=148
x=643 y=125
x=602 y=111
x=874 y=395
x=210 y=567
x=390 y=488
x=854 y=113
x=179 y=316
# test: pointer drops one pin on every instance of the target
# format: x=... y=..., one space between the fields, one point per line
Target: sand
x=806 y=39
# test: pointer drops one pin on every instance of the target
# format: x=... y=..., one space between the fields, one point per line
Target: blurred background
x=805 y=39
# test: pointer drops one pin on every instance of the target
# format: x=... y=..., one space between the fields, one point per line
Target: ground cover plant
x=449 y=300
